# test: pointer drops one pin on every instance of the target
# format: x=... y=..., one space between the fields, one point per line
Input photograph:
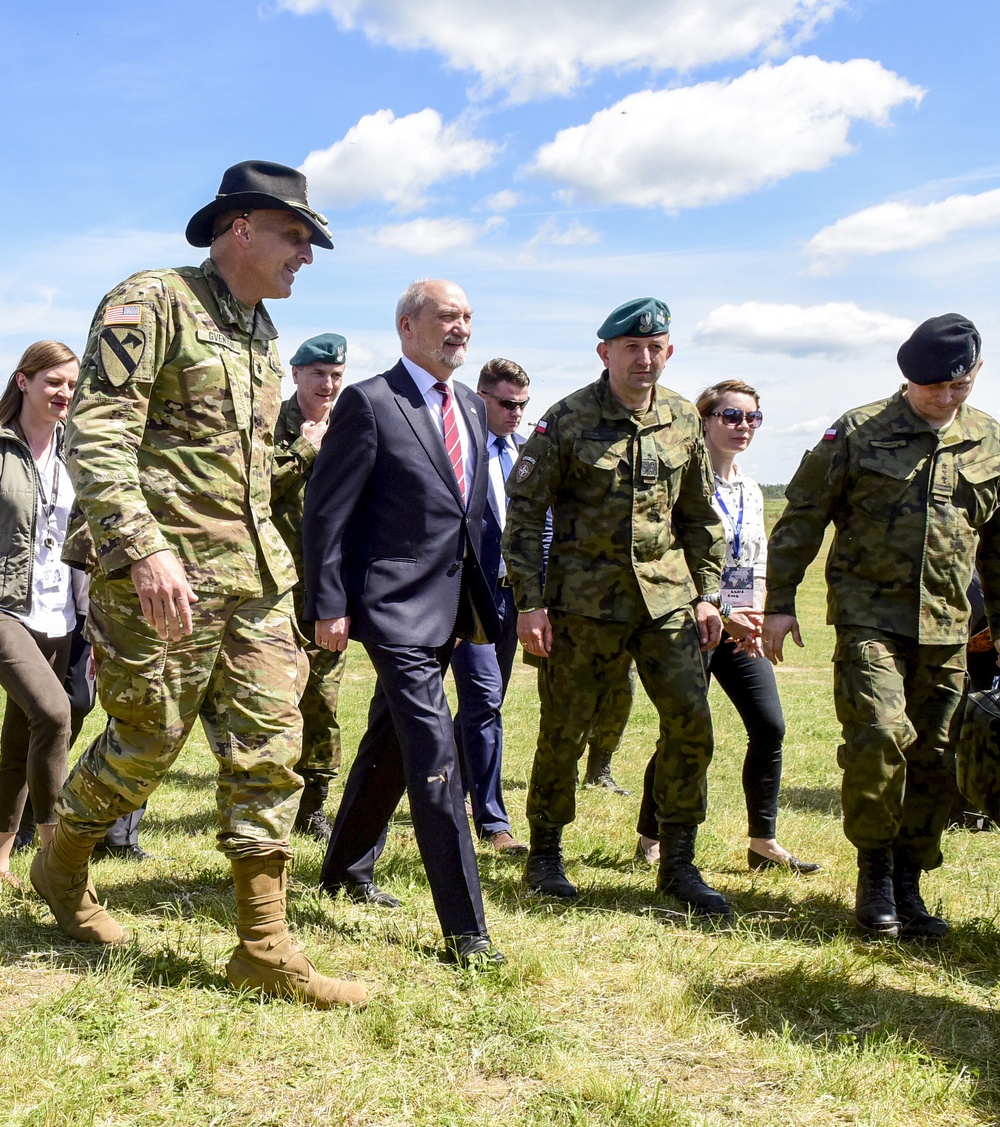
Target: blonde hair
x=711 y=397
x=38 y=357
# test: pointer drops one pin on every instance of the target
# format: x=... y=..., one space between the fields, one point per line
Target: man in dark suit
x=391 y=536
x=482 y=672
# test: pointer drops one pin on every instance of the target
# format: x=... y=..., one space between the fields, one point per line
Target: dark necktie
x=503 y=453
x=452 y=443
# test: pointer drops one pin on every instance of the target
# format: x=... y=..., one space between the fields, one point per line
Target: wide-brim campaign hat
x=259 y=184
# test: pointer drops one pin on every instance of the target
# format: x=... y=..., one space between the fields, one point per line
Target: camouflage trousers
x=613 y=711
x=900 y=707
x=241 y=671
x=588 y=656
x=321 y=747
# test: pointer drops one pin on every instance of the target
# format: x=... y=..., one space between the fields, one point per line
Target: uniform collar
x=964 y=427
x=293 y=413
x=254 y=320
x=659 y=410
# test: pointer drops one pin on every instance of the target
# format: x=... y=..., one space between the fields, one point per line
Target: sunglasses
x=509 y=404
x=733 y=416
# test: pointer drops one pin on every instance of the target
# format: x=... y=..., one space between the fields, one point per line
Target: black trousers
x=409 y=748
x=750 y=684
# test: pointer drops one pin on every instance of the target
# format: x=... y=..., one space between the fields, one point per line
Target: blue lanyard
x=737 y=525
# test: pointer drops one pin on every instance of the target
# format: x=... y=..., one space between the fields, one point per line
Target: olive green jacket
x=633 y=528
x=18 y=517
x=912 y=509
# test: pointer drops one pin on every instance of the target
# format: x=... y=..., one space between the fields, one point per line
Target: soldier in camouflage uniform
x=610 y=720
x=912 y=487
x=169 y=447
x=318 y=371
x=636 y=556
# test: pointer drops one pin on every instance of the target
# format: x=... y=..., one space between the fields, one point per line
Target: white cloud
x=504 y=201
x=535 y=52
x=839 y=327
x=574 y=235
x=898 y=225
x=430 y=236
x=698 y=145
x=806 y=426
x=394 y=159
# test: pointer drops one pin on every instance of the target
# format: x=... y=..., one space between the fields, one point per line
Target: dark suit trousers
x=481 y=677
x=410 y=747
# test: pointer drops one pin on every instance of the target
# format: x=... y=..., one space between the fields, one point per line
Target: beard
x=454 y=359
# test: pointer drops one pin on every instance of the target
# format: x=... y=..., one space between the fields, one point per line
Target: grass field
x=611 y=1010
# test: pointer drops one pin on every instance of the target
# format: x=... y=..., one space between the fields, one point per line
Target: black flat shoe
x=473 y=952
x=363 y=892
x=104 y=852
x=758 y=861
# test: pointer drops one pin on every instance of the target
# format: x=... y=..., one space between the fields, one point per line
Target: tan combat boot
x=61 y=877
x=268 y=958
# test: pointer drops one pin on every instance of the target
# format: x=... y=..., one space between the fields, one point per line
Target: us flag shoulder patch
x=123 y=315
x=829 y=434
x=541 y=427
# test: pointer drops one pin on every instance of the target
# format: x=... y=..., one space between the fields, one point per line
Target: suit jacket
x=386 y=538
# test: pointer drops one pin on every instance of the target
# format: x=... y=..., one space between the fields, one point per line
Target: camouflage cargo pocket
x=130 y=666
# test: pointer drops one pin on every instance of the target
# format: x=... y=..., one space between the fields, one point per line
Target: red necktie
x=452 y=442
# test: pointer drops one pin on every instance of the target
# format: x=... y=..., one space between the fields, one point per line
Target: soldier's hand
x=313 y=432
x=535 y=632
x=709 y=623
x=776 y=628
x=164 y=594
x=331 y=633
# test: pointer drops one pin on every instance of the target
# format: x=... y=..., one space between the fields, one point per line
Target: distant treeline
x=773 y=492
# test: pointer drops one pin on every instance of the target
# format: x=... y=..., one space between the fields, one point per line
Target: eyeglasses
x=508 y=404
x=733 y=416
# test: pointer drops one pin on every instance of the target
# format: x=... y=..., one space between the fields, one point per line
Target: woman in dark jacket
x=38 y=606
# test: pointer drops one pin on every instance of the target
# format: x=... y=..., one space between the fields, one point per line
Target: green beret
x=327 y=348
x=641 y=317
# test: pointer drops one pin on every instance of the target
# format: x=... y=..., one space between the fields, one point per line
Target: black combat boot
x=544 y=870
x=679 y=876
x=915 y=922
x=598 y=773
x=310 y=819
x=874 y=904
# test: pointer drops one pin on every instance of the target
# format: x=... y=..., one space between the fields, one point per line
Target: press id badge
x=737 y=586
x=51 y=575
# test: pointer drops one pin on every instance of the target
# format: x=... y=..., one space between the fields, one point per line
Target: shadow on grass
x=812 y=800
x=832 y=1011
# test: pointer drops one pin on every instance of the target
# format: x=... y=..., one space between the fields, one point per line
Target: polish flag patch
x=829 y=434
x=541 y=427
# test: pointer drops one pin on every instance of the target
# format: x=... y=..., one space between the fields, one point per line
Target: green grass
x=610 y=1010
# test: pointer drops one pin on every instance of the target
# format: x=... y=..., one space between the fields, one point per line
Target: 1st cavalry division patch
x=120 y=352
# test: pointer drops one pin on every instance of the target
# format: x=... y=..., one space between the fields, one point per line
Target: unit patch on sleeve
x=119 y=353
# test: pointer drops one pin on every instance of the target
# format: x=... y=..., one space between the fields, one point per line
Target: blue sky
x=801 y=180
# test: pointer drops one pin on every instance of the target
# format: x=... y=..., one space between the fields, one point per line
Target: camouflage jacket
x=170 y=435
x=633 y=528
x=293 y=462
x=911 y=507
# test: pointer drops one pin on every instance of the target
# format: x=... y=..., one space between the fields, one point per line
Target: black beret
x=940 y=350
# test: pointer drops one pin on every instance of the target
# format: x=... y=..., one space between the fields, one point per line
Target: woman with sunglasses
x=731 y=415
x=37 y=602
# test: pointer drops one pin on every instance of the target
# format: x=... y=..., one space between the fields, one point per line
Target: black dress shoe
x=758 y=861
x=363 y=892
x=473 y=951
x=120 y=853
